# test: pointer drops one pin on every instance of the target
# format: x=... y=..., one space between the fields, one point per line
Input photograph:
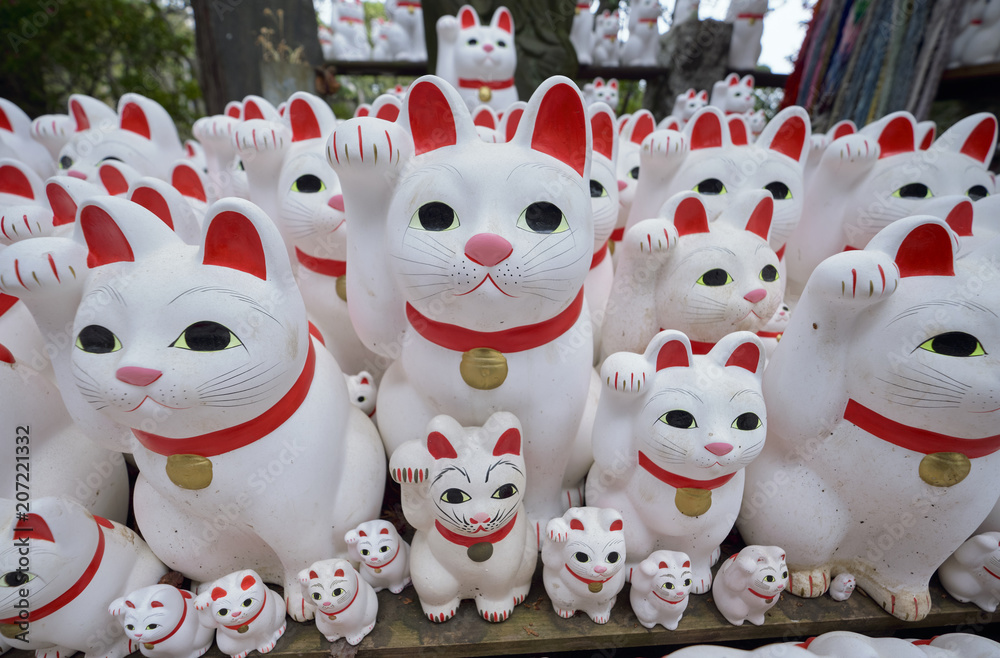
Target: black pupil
x=15 y=578
x=316 y=596
x=913 y=191
x=543 y=217
x=473 y=42
x=152 y=627
x=502 y=43
x=769 y=579
x=955 y=343
x=239 y=165
x=716 y=277
x=96 y=339
x=613 y=557
x=338 y=591
x=634 y=173
x=207 y=336
x=384 y=549
x=435 y=216
x=454 y=496
x=66 y=162
x=308 y=183
x=977 y=192
x=769 y=273
x=224 y=611
x=361 y=398
x=505 y=491
x=581 y=557
x=668 y=585
x=596 y=189
x=777 y=189
x=710 y=186
x=747 y=421
x=680 y=418
x=247 y=602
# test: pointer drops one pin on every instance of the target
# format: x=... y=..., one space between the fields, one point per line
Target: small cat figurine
x=383 y=554
x=77 y=565
x=584 y=557
x=478 y=60
x=408 y=17
x=606 y=48
x=643 y=42
x=670 y=455
x=345 y=602
x=363 y=392
x=842 y=586
x=581 y=34
x=350 y=38
x=747 y=19
x=463 y=491
x=606 y=92
x=750 y=583
x=733 y=95
x=162 y=622
x=660 y=588
x=687 y=103
x=63 y=134
x=246 y=613
x=972 y=573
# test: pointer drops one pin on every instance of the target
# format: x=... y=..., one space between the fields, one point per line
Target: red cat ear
x=662 y=565
x=5 y=121
x=738 y=130
x=686 y=565
x=926 y=251
x=843 y=128
x=484 y=117
x=363 y=110
x=187 y=181
x=616 y=525
x=747 y=356
x=154 y=604
x=513 y=118
x=34 y=527
x=362 y=533
x=388 y=110
x=560 y=126
x=5 y=354
x=154 y=202
x=105 y=240
x=792 y=136
x=79 y=115
x=748 y=81
x=440 y=447
x=613 y=83
x=503 y=20
x=303 y=120
x=218 y=593
x=14 y=181
x=673 y=354
x=509 y=443
x=252 y=110
x=432 y=121
x=760 y=219
x=364 y=381
x=929 y=132
x=112 y=179
x=383 y=531
x=339 y=573
x=133 y=119
x=232 y=241
x=703 y=95
x=248 y=582
x=690 y=217
x=896 y=137
x=313 y=575
x=129 y=604
x=959 y=219
x=62 y=204
x=602 y=128
x=705 y=129
x=642 y=124
x=732 y=79
x=598 y=83
x=576 y=524
x=467 y=17
x=982 y=141
x=234 y=109
x=690 y=94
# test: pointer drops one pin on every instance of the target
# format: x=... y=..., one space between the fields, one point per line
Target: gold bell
x=342 y=287
x=485 y=94
x=595 y=587
x=243 y=629
x=149 y=646
x=189 y=471
x=483 y=368
x=693 y=502
x=10 y=630
x=944 y=469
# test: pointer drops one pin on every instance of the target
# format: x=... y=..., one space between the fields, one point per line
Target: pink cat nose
x=600 y=569
x=138 y=376
x=77 y=174
x=719 y=449
x=488 y=48
x=327 y=603
x=622 y=185
x=236 y=614
x=336 y=202
x=480 y=518
x=488 y=249
x=755 y=296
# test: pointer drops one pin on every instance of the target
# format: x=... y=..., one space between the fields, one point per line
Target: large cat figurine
x=466 y=261
x=733 y=95
x=463 y=490
x=478 y=60
x=162 y=622
x=882 y=448
x=212 y=370
x=581 y=34
x=669 y=453
x=61 y=568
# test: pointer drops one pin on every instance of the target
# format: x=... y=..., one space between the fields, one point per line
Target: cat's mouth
x=489 y=278
x=165 y=406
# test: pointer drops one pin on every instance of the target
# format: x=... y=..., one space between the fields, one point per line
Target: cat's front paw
x=296 y=604
x=855 y=151
x=216 y=131
x=625 y=372
x=35 y=267
x=651 y=238
x=661 y=146
x=55 y=652
x=408 y=475
x=447 y=28
x=860 y=277
x=366 y=144
x=557 y=530
x=22 y=222
x=809 y=583
x=260 y=143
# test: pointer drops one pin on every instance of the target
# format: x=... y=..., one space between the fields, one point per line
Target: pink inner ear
x=383 y=531
x=703 y=95
x=252 y=111
x=598 y=84
x=926 y=251
x=662 y=565
x=760 y=220
x=432 y=121
x=928 y=140
x=897 y=137
x=339 y=573
x=513 y=119
x=129 y=604
x=467 y=18
x=33 y=527
x=62 y=204
x=440 y=447
x=134 y=120
x=313 y=575
x=155 y=604
x=690 y=217
x=691 y=94
x=218 y=593
x=232 y=241
x=746 y=356
x=154 y=202
x=707 y=132
x=303 y=120
x=603 y=130
x=616 y=525
x=672 y=354
x=981 y=140
x=738 y=132
x=509 y=443
x=790 y=138
x=960 y=219
x=576 y=524
x=113 y=180
x=644 y=125
x=748 y=81
x=484 y=119
x=5 y=122
x=686 y=565
x=560 y=128
x=505 y=22
x=613 y=84
x=13 y=181
x=79 y=115
x=186 y=181
x=388 y=112
x=106 y=242
x=248 y=582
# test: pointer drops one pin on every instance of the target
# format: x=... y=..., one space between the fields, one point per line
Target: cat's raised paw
x=854 y=148
x=259 y=135
x=625 y=372
x=43 y=264
x=664 y=144
x=652 y=236
x=858 y=276
x=296 y=603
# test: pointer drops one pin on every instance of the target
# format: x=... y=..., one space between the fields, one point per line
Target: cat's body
x=77 y=564
x=669 y=456
x=747 y=19
x=606 y=48
x=463 y=491
x=345 y=603
x=384 y=555
x=643 y=42
x=246 y=614
x=972 y=573
x=162 y=622
x=632 y=132
x=749 y=584
x=660 y=588
x=886 y=426
x=478 y=60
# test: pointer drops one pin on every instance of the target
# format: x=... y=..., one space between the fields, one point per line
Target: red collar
x=769 y=334
x=75 y=589
x=647 y=21
x=515 y=339
x=382 y=566
x=767 y=599
x=184 y=613
x=350 y=19
x=663 y=599
x=351 y=602
x=585 y=580
x=464 y=540
x=415 y=4
x=237 y=627
x=915 y=438
x=679 y=481
x=751 y=16
x=238 y=436
x=599 y=256
x=991 y=573
x=581 y=5
x=325 y=266
x=611 y=36
x=468 y=83
x=618 y=233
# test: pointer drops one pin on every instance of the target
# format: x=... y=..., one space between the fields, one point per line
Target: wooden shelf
x=969 y=81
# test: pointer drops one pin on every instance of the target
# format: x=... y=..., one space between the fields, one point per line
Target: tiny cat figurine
x=383 y=554
x=350 y=38
x=669 y=454
x=972 y=573
x=584 y=557
x=687 y=103
x=733 y=95
x=63 y=134
x=842 y=586
x=606 y=92
x=747 y=19
x=363 y=392
x=463 y=491
x=79 y=564
x=581 y=35
x=478 y=60
x=660 y=590
x=770 y=334
x=162 y=622
x=606 y=48
x=643 y=42
x=246 y=613
x=887 y=417
x=345 y=602
x=750 y=583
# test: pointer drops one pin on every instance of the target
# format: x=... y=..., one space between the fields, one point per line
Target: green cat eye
x=316 y=596
x=96 y=339
x=339 y=591
x=679 y=418
x=581 y=557
x=383 y=549
x=768 y=578
x=542 y=217
x=633 y=173
x=687 y=582
x=364 y=551
x=505 y=491
x=206 y=336
x=434 y=216
x=668 y=586
x=130 y=627
x=977 y=192
x=308 y=184
x=152 y=627
x=455 y=496
x=913 y=191
x=747 y=421
x=784 y=574
x=779 y=191
x=769 y=274
x=710 y=186
x=597 y=190
x=16 y=578
x=954 y=343
x=65 y=162
x=247 y=603
x=714 y=278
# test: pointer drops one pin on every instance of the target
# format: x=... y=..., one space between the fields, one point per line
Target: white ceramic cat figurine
x=604 y=190
x=972 y=573
x=79 y=564
x=226 y=174
x=819 y=141
x=733 y=95
x=842 y=586
x=350 y=38
x=606 y=48
x=478 y=60
x=384 y=555
x=684 y=11
x=584 y=557
x=64 y=134
x=750 y=583
x=17 y=143
x=660 y=588
x=476 y=285
x=983 y=46
x=687 y=103
x=24 y=210
x=363 y=392
x=606 y=92
x=886 y=427
x=581 y=34
x=162 y=622
x=246 y=613
x=345 y=602
x=408 y=16
x=682 y=272
x=630 y=137
x=747 y=18
x=463 y=491
x=670 y=455
x=643 y=42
